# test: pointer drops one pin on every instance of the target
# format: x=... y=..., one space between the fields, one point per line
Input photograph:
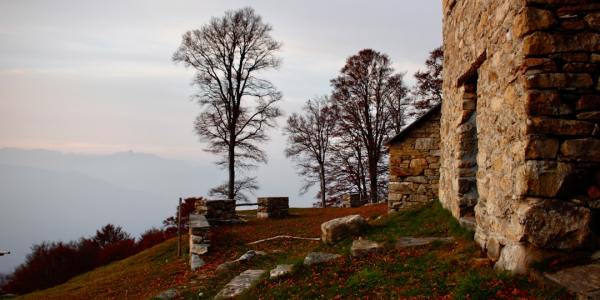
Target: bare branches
x=310 y=137
x=369 y=95
x=428 y=90
x=248 y=184
x=227 y=53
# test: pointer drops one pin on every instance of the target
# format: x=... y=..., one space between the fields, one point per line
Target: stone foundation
x=415 y=163
x=216 y=210
x=272 y=207
x=520 y=124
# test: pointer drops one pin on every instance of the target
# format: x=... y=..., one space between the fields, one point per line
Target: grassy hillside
x=446 y=270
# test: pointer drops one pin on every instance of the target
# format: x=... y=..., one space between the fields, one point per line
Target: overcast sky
x=97 y=76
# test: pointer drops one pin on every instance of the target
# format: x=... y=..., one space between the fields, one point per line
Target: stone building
x=519 y=129
x=415 y=162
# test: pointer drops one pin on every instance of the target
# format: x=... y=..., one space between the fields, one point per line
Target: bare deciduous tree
x=238 y=106
x=362 y=93
x=428 y=89
x=310 y=136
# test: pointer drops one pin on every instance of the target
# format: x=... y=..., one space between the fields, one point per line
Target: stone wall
x=414 y=163
x=520 y=146
x=216 y=210
x=272 y=207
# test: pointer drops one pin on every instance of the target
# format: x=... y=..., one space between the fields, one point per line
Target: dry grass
x=440 y=270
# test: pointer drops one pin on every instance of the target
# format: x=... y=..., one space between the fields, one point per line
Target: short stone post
x=352 y=200
x=199 y=243
x=216 y=211
x=272 y=207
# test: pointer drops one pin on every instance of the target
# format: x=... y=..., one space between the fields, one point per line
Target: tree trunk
x=322 y=181
x=373 y=180
x=231 y=187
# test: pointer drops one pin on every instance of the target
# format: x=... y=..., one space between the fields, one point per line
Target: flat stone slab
x=168 y=294
x=281 y=270
x=199 y=249
x=319 y=257
x=361 y=247
x=583 y=280
x=198 y=221
x=240 y=284
x=250 y=254
x=420 y=241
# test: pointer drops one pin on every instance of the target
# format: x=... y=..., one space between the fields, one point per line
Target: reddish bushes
x=50 y=264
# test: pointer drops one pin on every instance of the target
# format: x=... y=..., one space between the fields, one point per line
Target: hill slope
x=450 y=269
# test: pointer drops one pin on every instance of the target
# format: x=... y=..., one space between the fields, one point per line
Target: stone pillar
x=352 y=200
x=272 y=207
x=199 y=243
x=216 y=211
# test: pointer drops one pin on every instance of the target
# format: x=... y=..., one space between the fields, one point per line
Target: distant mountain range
x=48 y=195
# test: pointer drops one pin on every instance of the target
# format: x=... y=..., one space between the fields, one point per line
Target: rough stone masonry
x=520 y=124
x=415 y=162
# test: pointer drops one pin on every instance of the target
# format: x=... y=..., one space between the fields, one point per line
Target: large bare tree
x=310 y=137
x=362 y=93
x=238 y=106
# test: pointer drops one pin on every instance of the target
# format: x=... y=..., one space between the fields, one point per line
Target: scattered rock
x=250 y=254
x=336 y=229
x=228 y=266
x=196 y=261
x=582 y=280
x=240 y=284
x=595 y=255
x=362 y=247
x=281 y=270
x=412 y=241
x=319 y=257
x=168 y=294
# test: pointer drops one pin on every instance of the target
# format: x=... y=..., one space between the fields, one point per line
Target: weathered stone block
x=587 y=149
x=272 y=207
x=546 y=103
x=216 y=210
x=556 y=224
x=337 y=229
x=593 y=20
x=589 y=116
x=542 y=125
x=588 y=102
x=559 y=80
x=539 y=43
x=541 y=148
x=532 y=19
x=416 y=179
x=417 y=165
x=542 y=178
